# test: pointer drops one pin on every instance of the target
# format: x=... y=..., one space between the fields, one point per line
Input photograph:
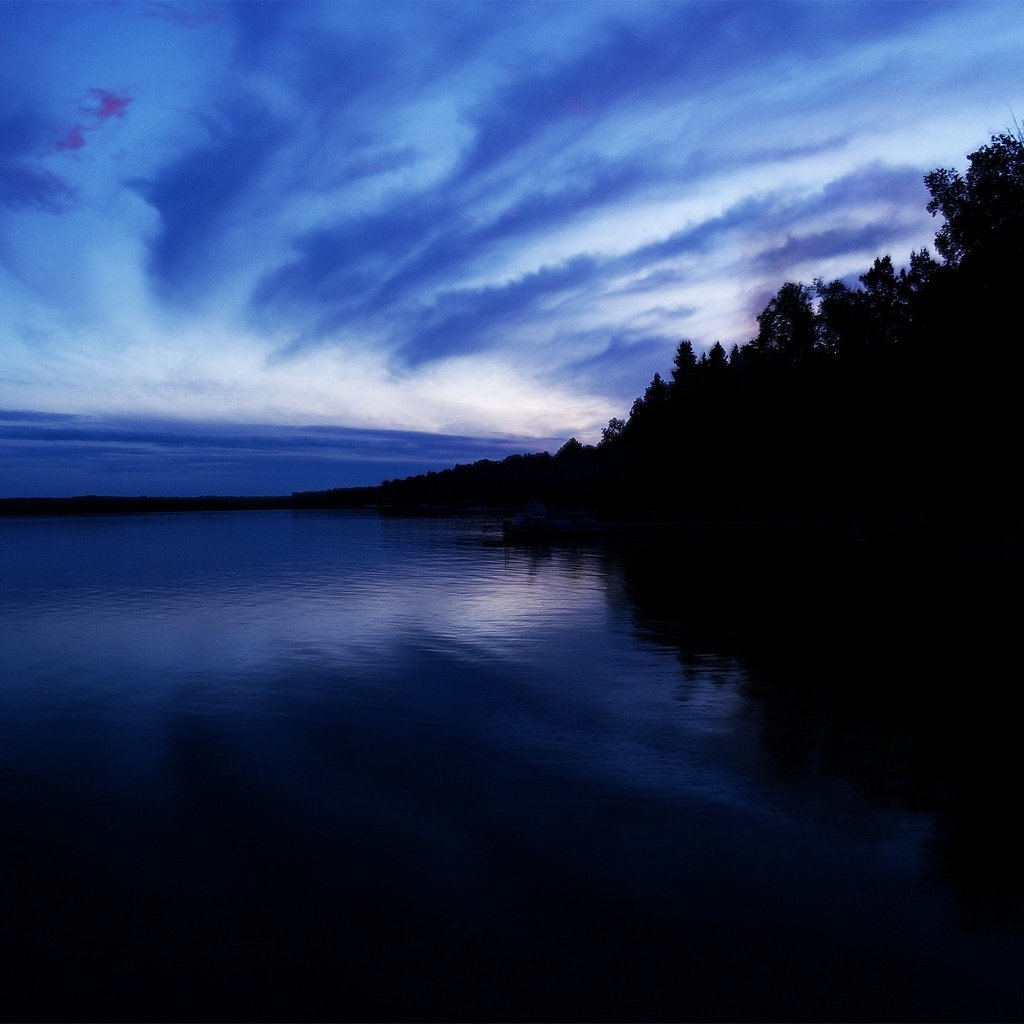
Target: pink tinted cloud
x=108 y=104
x=99 y=106
x=73 y=138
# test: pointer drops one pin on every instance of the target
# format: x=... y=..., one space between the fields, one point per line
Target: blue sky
x=258 y=247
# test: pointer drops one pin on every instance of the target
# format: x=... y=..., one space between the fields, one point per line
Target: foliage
x=612 y=431
x=984 y=208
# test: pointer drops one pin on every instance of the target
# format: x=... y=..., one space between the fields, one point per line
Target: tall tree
x=842 y=318
x=984 y=208
x=684 y=362
x=786 y=327
x=718 y=361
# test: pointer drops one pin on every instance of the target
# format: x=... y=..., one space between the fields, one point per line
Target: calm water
x=343 y=766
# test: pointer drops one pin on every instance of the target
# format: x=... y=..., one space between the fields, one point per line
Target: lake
x=304 y=765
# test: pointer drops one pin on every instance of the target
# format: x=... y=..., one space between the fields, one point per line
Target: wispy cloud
x=73 y=138
x=99 y=105
x=27 y=186
x=103 y=104
x=198 y=195
x=44 y=455
x=180 y=14
x=25 y=182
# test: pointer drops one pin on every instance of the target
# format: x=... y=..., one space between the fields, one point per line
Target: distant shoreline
x=92 y=504
x=979 y=543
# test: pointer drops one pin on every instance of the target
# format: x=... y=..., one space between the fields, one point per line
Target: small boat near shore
x=535 y=523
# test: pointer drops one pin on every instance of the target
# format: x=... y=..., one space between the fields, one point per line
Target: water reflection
x=889 y=672
x=330 y=766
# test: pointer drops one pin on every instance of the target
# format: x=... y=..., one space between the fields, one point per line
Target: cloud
x=350 y=263
x=59 y=455
x=397 y=258
x=198 y=193
x=177 y=14
x=393 y=275
x=105 y=104
x=786 y=210
x=26 y=186
x=414 y=274
x=614 y=62
x=813 y=250
x=618 y=362
x=99 y=106
x=877 y=183
x=72 y=139
x=470 y=320
x=32 y=416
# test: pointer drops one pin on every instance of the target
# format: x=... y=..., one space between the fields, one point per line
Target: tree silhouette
x=684 y=362
x=613 y=430
x=786 y=327
x=874 y=401
x=983 y=209
x=718 y=361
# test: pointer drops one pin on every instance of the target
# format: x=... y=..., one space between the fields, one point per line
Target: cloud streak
x=48 y=455
x=25 y=186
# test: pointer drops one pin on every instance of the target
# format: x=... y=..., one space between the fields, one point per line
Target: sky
x=255 y=248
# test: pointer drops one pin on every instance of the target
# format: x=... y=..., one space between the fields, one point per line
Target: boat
x=536 y=524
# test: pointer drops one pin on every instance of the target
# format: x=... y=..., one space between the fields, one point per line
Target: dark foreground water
x=310 y=766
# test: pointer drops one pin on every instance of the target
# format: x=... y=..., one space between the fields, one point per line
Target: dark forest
x=891 y=400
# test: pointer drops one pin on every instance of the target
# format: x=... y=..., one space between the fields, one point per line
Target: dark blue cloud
x=469 y=320
x=875 y=188
x=782 y=211
x=392 y=271
x=20 y=133
x=364 y=265
x=342 y=265
x=31 y=416
x=183 y=15
x=381 y=262
x=822 y=245
x=877 y=183
x=25 y=184
x=672 y=49
x=468 y=236
x=655 y=280
x=370 y=166
x=197 y=194
x=703 y=236
x=669 y=51
x=55 y=455
x=258 y=29
x=359 y=267
x=620 y=362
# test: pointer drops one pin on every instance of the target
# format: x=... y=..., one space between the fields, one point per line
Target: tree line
x=894 y=397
